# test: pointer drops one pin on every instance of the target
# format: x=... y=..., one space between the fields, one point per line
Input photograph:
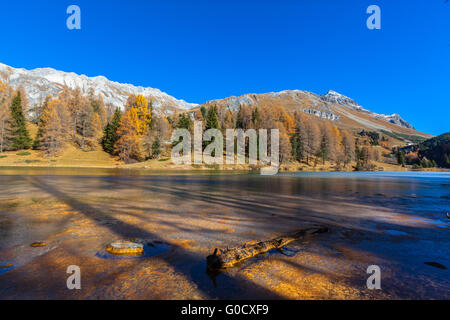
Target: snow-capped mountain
x=39 y=83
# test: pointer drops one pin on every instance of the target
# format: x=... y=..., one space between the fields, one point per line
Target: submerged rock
x=124 y=247
x=38 y=244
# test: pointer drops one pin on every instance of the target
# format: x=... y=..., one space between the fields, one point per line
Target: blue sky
x=201 y=50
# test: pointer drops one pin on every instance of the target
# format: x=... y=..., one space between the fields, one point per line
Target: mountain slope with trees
x=315 y=131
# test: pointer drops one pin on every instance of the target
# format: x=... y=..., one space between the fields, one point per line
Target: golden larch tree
x=128 y=146
x=52 y=136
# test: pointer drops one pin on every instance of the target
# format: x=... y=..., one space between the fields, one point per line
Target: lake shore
x=75 y=158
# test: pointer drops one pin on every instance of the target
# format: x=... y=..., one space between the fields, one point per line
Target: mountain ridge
x=332 y=106
x=40 y=82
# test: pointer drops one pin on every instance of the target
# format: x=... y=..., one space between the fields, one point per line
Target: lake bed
x=394 y=220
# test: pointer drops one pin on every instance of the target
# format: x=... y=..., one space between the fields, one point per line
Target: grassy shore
x=73 y=157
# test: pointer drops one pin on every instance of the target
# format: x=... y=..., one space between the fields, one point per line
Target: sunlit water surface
x=395 y=220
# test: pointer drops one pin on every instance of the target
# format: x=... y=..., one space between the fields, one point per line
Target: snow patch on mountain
x=39 y=83
x=337 y=98
x=396 y=119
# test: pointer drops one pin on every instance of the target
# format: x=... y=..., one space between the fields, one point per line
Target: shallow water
x=395 y=220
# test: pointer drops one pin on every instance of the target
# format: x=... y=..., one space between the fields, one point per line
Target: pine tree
x=400 y=157
x=212 y=121
x=20 y=138
x=433 y=164
x=204 y=112
x=110 y=135
x=325 y=143
x=156 y=151
x=447 y=161
x=184 y=122
x=324 y=149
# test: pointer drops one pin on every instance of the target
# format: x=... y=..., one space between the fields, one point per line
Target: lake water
x=394 y=220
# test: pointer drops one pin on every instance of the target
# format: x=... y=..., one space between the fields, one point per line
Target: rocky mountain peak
x=337 y=98
x=39 y=83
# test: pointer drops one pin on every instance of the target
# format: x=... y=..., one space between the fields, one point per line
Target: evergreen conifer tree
x=20 y=138
x=110 y=136
x=212 y=121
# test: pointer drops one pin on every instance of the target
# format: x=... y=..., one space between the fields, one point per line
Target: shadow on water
x=251 y=201
x=188 y=265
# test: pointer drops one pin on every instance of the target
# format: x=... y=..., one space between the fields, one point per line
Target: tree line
x=303 y=138
x=137 y=133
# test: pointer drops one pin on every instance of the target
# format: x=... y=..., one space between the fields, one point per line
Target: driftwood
x=227 y=258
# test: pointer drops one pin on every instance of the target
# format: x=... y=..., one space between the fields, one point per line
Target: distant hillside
x=437 y=149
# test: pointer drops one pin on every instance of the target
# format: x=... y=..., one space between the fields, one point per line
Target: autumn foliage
x=137 y=133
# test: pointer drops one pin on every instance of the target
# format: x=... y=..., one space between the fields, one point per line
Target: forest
x=139 y=133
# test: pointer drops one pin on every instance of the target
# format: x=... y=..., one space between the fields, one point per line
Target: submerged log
x=227 y=258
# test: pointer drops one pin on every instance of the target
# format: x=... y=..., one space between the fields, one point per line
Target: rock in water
x=123 y=247
x=38 y=244
x=227 y=258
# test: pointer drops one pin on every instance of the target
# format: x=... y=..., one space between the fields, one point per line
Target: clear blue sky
x=202 y=50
